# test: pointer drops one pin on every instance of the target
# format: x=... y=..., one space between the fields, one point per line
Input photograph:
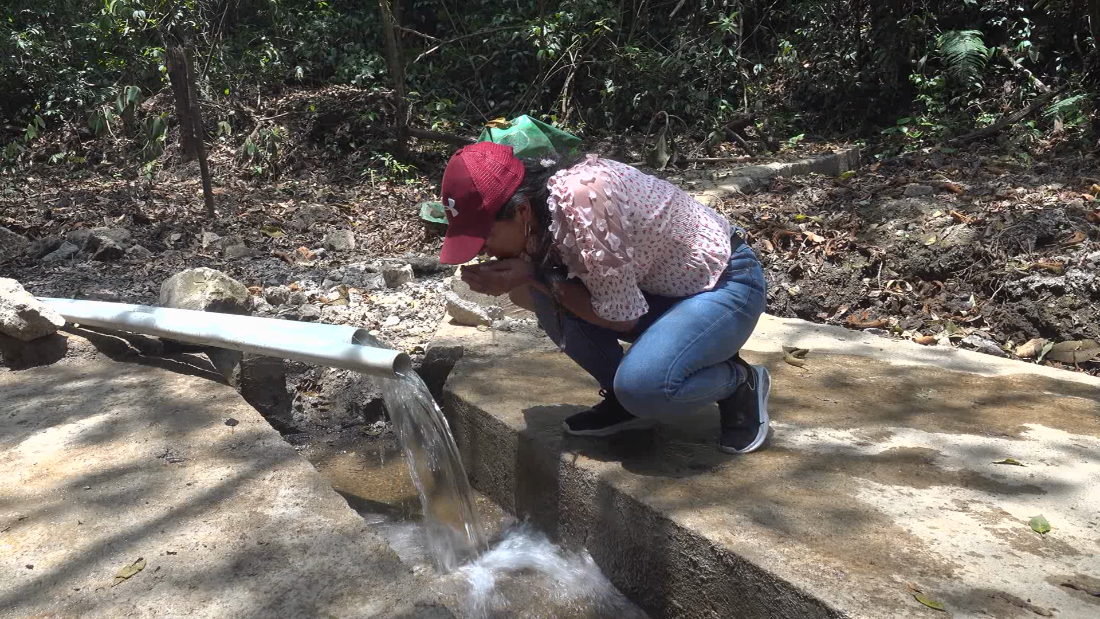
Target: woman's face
x=508 y=239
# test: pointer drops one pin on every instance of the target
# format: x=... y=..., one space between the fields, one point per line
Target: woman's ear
x=523 y=211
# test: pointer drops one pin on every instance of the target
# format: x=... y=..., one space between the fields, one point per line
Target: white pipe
x=337 y=346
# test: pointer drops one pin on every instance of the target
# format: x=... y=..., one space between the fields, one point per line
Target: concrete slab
x=880 y=474
x=102 y=463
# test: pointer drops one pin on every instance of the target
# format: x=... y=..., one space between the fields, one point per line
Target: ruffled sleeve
x=593 y=235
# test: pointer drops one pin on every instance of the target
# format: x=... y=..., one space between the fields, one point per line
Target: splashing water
x=452 y=527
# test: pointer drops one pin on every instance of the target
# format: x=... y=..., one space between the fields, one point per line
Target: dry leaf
x=304 y=253
x=255 y=290
x=272 y=231
x=1093 y=217
x=929 y=602
x=926 y=340
x=1077 y=351
x=952 y=187
x=1053 y=266
x=816 y=238
x=856 y=323
x=1077 y=238
x=1095 y=188
x=1010 y=461
x=126 y=572
x=961 y=218
x=1031 y=349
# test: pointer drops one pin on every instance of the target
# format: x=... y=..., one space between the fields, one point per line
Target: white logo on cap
x=450 y=207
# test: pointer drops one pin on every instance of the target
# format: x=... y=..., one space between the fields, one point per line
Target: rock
x=64 y=252
x=397 y=275
x=981 y=343
x=138 y=252
x=358 y=276
x=277 y=295
x=392 y=321
x=19 y=355
x=12 y=245
x=208 y=239
x=79 y=237
x=106 y=249
x=98 y=237
x=470 y=314
x=205 y=290
x=234 y=252
x=297 y=298
x=309 y=313
x=1031 y=349
x=353 y=398
x=425 y=265
x=261 y=381
x=340 y=240
x=43 y=247
x=24 y=317
x=914 y=191
x=438 y=362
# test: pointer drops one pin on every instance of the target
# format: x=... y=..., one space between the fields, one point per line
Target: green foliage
x=262 y=150
x=964 y=54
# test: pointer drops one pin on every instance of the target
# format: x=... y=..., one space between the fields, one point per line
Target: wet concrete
x=880 y=475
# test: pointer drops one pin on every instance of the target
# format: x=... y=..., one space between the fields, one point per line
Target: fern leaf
x=1067 y=106
x=964 y=53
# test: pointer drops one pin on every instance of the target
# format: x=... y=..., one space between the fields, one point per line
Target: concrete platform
x=103 y=463
x=880 y=475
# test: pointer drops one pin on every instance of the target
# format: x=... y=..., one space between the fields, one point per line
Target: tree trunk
x=182 y=75
x=397 y=73
x=181 y=92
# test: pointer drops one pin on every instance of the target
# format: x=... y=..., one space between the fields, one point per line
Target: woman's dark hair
x=533 y=190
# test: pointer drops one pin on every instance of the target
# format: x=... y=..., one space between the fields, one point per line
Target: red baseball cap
x=479 y=179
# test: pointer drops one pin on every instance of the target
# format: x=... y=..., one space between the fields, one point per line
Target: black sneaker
x=604 y=419
x=745 y=413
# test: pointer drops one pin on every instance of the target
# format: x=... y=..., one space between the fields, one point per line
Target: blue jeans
x=682 y=348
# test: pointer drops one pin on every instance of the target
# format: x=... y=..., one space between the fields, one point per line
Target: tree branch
x=435 y=136
x=1009 y=120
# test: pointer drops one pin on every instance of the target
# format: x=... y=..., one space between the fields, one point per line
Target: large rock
x=261 y=381
x=107 y=249
x=396 y=275
x=11 y=244
x=24 y=317
x=45 y=246
x=206 y=290
x=470 y=314
x=99 y=238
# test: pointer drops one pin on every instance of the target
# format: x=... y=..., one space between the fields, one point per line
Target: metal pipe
x=337 y=346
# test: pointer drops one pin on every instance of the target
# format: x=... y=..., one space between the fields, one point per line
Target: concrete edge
x=745 y=178
x=666 y=569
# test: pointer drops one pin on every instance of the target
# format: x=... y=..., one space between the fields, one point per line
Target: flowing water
x=520 y=575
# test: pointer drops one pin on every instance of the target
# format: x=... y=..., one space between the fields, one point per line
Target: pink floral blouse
x=622 y=232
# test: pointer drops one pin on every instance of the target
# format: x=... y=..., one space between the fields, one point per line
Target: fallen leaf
x=795 y=361
x=848 y=174
x=856 y=323
x=815 y=238
x=128 y=571
x=1093 y=591
x=304 y=253
x=272 y=231
x=1093 y=217
x=293 y=287
x=1053 y=266
x=1095 y=188
x=1077 y=351
x=1012 y=461
x=1046 y=348
x=1039 y=524
x=255 y=290
x=929 y=602
x=925 y=340
x=797 y=353
x=1077 y=238
x=961 y=218
x=1030 y=350
x=952 y=187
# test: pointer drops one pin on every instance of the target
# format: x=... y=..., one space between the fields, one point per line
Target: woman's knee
x=641 y=391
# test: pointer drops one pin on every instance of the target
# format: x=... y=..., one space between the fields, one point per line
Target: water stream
x=504 y=570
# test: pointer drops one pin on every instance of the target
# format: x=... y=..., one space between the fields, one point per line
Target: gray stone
x=12 y=245
x=363 y=277
x=139 y=252
x=340 y=240
x=24 y=317
x=397 y=275
x=42 y=247
x=19 y=355
x=234 y=252
x=64 y=252
x=207 y=290
x=352 y=398
x=297 y=298
x=277 y=295
x=465 y=312
x=914 y=191
x=261 y=381
x=981 y=343
x=79 y=237
x=208 y=239
x=439 y=360
x=98 y=237
x=106 y=249
x=309 y=313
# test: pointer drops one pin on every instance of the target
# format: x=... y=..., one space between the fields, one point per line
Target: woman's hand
x=497 y=277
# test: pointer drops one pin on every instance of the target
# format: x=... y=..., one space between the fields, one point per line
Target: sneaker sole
x=634 y=424
x=765 y=379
